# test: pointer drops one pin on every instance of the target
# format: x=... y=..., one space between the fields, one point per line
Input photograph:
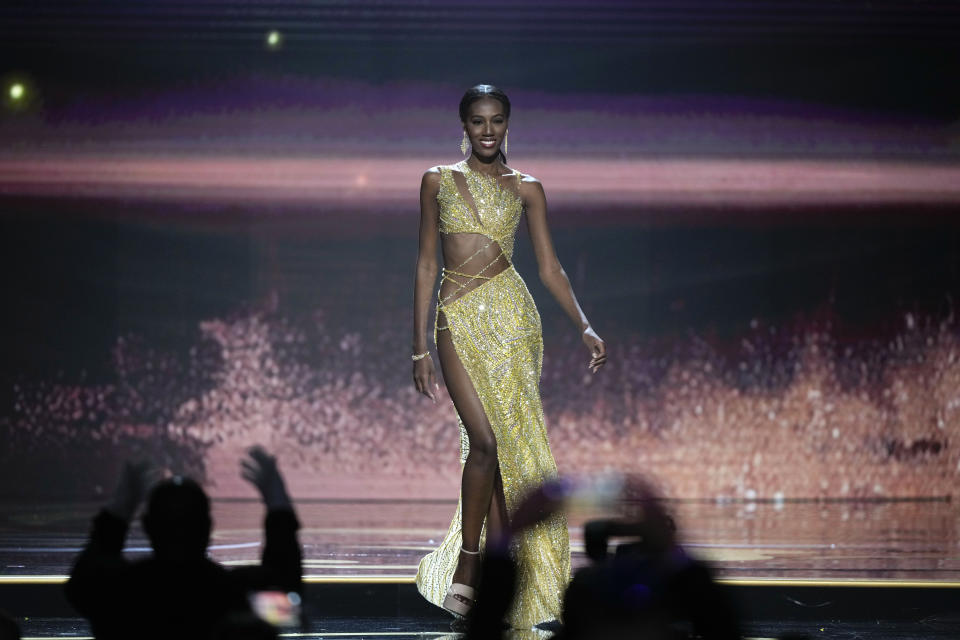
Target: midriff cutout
x=470 y=260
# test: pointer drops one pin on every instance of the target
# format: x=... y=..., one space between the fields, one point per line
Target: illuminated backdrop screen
x=209 y=242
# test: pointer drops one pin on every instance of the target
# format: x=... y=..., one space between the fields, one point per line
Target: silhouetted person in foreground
x=178 y=592
x=649 y=588
x=244 y=626
x=8 y=627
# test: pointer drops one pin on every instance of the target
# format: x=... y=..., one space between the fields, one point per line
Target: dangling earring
x=464 y=144
x=505 y=134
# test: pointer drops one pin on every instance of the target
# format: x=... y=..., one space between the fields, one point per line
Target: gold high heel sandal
x=455 y=605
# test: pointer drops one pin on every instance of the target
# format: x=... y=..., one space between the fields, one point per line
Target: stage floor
x=403 y=628
x=905 y=541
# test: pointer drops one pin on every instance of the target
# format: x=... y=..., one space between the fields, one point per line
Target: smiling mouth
x=488 y=144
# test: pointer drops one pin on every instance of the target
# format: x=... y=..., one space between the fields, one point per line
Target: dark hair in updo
x=479 y=92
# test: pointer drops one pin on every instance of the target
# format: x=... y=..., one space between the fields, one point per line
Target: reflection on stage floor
x=383 y=541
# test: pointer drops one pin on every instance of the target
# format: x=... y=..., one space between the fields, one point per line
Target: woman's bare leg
x=497 y=518
x=481 y=467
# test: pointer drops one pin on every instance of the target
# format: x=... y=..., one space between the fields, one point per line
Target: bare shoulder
x=431 y=179
x=531 y=189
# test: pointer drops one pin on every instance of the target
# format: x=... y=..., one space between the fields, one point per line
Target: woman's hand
x=598 y=349
x=425 y=378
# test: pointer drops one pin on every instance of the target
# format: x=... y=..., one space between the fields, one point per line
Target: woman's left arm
x=551 y=272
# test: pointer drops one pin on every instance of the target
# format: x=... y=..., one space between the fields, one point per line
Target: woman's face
x=485 y=126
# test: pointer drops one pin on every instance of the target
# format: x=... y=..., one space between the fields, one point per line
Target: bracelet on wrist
x=420 y=356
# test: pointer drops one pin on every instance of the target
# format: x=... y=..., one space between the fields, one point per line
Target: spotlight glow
x=17 y=91
x=274 y=40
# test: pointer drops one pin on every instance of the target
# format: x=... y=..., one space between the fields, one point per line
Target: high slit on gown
x=496 y=333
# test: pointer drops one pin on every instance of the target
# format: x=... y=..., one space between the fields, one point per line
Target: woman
x=488 y=338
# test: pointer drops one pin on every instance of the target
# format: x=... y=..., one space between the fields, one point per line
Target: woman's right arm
x=424 y=375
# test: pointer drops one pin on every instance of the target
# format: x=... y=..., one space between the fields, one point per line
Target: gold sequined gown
x=496 y=332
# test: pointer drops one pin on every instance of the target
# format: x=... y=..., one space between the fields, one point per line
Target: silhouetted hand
x=540 y=504
x=260 y=470
x=135 y=478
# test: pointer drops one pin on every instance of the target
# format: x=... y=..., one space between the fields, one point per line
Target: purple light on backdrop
x=303 y=116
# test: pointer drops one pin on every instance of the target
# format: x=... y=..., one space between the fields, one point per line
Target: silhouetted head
x=633 y=513
x=485 y=112
x=177 y=520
